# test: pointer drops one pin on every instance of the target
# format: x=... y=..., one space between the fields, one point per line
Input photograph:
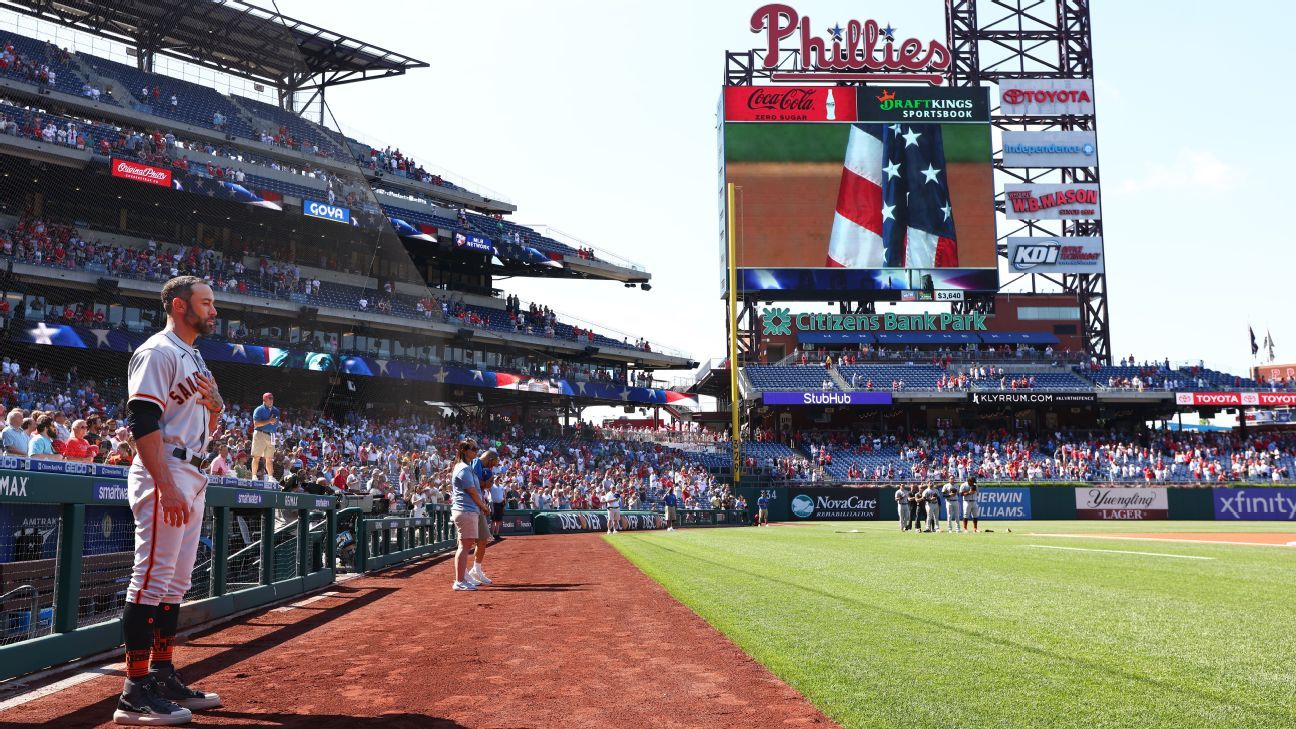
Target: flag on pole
x=893 y=205
x=1269 y=345
x=1255 y=348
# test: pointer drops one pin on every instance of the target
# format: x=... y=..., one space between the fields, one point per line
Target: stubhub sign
x=316 y=209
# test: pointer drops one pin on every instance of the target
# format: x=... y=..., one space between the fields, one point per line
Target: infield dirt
x=573 y=635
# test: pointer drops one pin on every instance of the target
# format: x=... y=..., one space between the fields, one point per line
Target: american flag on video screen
x=893 y=206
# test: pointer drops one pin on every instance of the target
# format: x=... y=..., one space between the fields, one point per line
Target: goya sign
x=854 y=51
x=324 y=211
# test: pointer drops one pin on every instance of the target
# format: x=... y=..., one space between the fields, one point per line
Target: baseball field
x=1054 y=624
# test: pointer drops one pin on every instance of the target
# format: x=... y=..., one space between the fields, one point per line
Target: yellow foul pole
x=733 y=336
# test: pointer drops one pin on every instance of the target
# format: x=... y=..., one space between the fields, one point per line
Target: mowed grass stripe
x=891 y=629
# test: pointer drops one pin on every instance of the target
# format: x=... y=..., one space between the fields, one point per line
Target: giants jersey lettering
x=164 y=371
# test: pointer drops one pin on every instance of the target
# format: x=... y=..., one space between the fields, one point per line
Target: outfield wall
x=1025 y=502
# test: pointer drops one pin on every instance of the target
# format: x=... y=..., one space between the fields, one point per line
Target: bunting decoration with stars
x=893 y=205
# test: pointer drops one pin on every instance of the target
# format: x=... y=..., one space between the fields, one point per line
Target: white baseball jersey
x=968 y=492
x=164 y=371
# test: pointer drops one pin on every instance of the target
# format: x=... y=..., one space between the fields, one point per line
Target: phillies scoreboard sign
x=858 y=50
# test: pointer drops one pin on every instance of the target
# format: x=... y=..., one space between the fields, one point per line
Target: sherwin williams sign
x=1004 y=503
x=827 y=398
x=1133 y=503
x=1258 y=504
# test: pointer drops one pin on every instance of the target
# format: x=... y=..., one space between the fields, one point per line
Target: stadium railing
x=382 y=541
x=63 y=576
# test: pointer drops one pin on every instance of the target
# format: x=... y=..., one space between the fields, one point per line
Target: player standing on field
x=951 y=493
x=174 y=405
x=971 y=508
x=484 y=469
x=762 y=510
x=902 y=506
x=932 y=499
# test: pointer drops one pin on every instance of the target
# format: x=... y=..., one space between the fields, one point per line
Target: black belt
x=182 y=454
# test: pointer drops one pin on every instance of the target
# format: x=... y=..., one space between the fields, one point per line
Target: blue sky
x=599 y=119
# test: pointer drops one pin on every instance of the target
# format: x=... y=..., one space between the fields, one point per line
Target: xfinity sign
x=324 y=211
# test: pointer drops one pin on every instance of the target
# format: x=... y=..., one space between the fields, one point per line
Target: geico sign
x=141 y=173
x=316 y=209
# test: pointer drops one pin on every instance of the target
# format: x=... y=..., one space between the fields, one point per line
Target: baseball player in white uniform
x=902 y=507
x=932 y=497
x=971 y=508
x=612 y=500
x=951 y=493
x=174 y=403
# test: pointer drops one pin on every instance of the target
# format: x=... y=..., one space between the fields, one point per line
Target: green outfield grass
x=880 y=628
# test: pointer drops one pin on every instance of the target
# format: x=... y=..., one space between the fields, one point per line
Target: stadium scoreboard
x=858 y=192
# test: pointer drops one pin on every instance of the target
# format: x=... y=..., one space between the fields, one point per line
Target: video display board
x=868 y=190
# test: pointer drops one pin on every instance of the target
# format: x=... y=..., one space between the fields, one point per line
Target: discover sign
x=1104 y=503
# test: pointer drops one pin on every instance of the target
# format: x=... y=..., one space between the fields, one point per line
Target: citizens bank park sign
x=858 y=50
x=1236 y=399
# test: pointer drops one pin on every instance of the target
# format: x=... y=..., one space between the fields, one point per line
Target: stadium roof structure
x=230 y=36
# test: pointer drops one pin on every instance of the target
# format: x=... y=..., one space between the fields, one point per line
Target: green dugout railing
x=67 y=549
x=383 y=541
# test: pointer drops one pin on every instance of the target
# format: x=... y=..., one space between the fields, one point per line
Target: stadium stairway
x=109 y=86
x=841 y=381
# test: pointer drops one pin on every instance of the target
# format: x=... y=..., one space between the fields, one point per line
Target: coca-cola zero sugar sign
x=789 y=104
x=141 y=172
x=856 y=51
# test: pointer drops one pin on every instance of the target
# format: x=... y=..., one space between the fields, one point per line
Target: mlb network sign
x=1056 y=255
x=1050 y=149
x=324 y=211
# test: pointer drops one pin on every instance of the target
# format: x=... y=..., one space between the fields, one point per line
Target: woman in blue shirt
x=466 y=506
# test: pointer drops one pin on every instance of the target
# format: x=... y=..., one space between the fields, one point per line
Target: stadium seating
x=792 y=377
x=297 y=127
x=195 y=104
x=914 y=377
x=42 y=53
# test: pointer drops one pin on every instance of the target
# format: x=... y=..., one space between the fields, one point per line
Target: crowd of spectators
x=33 y=70
x=1155 y=457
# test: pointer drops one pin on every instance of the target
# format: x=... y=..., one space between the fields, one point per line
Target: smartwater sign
x=1258 y=504
x=1005 y=503
x=835 y=503
x=324 y=211
x=827 y=398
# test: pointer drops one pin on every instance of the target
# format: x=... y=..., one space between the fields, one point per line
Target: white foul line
x=1116 y=551
x=1162 y=539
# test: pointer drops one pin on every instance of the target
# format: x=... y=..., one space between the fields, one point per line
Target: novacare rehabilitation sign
x=775 y=322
